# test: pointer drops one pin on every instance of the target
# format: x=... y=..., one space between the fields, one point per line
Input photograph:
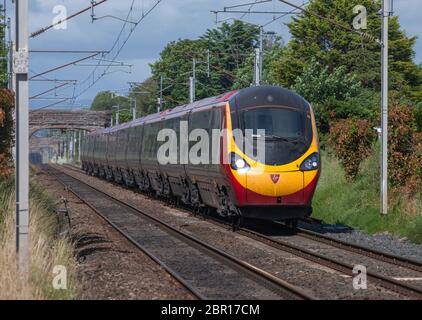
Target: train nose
x=275 y=187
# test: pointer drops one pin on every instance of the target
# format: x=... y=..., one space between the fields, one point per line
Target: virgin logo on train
x=275 y=178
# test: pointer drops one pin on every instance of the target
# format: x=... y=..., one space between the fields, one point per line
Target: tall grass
x=46 y=250
x=357 y=203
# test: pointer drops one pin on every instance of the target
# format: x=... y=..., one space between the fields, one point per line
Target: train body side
x=128 y=154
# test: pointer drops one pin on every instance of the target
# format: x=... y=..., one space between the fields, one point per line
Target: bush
x=356 y=204
x=46 y=248
x=6 y=128
x=418 y=117
x=405 y=156
x=351 y=140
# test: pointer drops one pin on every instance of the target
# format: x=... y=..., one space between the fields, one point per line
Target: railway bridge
x=78 y=119
x=73 y=123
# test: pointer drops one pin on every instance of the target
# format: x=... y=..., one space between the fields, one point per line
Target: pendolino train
x=281 y=188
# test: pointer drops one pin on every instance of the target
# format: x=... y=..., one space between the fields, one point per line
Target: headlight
x=239 y=164
x=311 y=163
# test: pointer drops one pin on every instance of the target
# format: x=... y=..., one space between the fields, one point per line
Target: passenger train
x=278 y=186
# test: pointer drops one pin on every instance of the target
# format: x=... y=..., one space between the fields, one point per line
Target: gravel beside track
x=109 y=267
x=323 y=282
x=208 y=272
x=382 y=242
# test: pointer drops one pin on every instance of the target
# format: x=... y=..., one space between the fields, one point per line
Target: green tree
x=124 y=116
x=231 y=47
x=102 y=101
x=317 y=84
x=175 y=66
x=106 y=100
x=332 y=46
x=334 y=95
x=245 y=74
x=146 y=94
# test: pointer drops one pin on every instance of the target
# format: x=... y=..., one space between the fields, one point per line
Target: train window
x=146 y=145
x=277 y=122
x=200 y=120
x=235 y=121
x=288 y=133
x=154 y=144
x=216 y=119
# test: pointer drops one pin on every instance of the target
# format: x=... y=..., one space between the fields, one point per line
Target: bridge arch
x=45 y=149
x=77 y=119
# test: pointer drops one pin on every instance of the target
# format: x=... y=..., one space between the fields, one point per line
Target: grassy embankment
x=46 y=249
x=356 y=204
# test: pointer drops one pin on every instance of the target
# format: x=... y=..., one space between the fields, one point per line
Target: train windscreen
x=288 y=133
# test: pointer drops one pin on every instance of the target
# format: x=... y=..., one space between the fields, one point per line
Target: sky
x=169 y=21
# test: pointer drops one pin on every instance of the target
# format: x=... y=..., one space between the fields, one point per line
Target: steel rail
x=334 y=264
x=362 y=250
x=264 y=278
x=386 y=282
x=173 y=273
x=348 y=246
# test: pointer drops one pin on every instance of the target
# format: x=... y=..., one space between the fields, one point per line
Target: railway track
x=362 y=250
x=184 y=256
x=335 y=264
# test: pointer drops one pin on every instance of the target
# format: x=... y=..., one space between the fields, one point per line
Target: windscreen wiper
x=269 y=136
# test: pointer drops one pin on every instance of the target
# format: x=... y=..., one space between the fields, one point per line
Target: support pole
x=61 y=148
x=65 y=147
x=134 y=109
x=192 y=81
x=191 y=90
x=79 y=144
x=160 y=103
x=10 y=47
x=261 y=52
x=384 y=106
x=257 y=68
x=21 y=69
x=73 y=145
x=58 y=152
x=208 y=63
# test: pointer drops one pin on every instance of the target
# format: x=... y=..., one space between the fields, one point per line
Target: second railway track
x=363 y=250
x=340 y=266
x=206 y=271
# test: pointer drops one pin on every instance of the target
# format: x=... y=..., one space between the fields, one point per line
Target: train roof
x=260 y=95
x=269 y=95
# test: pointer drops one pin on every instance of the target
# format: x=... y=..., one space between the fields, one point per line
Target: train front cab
x=282 y=185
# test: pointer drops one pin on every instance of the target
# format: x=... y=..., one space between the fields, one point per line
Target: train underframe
x=161 y=187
